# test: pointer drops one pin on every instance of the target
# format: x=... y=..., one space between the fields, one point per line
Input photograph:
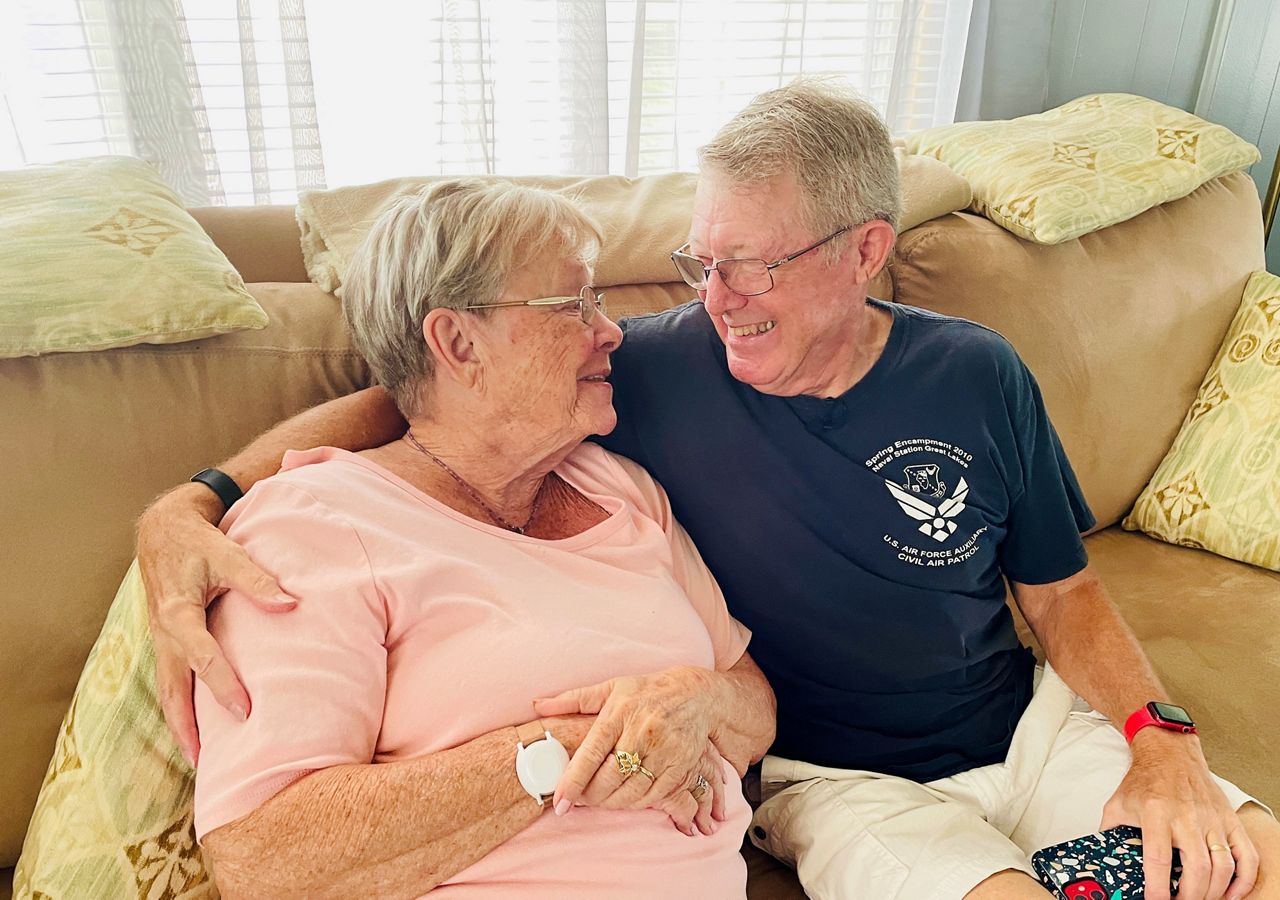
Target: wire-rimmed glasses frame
x=688 y=266
x=589 y=301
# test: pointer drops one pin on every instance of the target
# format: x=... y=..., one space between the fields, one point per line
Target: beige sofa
x=1118 y=326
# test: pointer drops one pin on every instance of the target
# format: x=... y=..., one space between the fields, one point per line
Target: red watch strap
x=1138 y=721
x=1144 y=717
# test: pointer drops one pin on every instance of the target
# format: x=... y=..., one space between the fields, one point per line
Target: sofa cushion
x=643 y=219
x=1090 y=163
x=1118 y=326
x=768 y=879
x=99 y=435
x=114 y=815
x=98 y=253
x=1212 y=629
x=262 y=242
x=1219 y=486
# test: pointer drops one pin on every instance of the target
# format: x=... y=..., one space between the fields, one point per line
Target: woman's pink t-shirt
x=419 y=629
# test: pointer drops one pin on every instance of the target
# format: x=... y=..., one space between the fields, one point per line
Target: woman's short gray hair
x=456 y=243
x=831 y=140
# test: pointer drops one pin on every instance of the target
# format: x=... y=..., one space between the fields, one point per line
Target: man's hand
x=1169 y=794
x=185 y=563
x=668 y=719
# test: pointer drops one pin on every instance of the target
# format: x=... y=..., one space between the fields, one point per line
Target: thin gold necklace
x=475 y=495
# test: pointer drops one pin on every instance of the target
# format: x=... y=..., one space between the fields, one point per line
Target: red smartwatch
x=1161 y=715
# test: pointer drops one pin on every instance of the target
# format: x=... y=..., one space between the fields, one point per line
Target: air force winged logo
x=935 y=521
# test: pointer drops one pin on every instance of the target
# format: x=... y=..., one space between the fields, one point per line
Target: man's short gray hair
x=456 y=243
x=831 y=140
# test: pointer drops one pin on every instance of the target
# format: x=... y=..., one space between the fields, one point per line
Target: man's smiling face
x=797 y=337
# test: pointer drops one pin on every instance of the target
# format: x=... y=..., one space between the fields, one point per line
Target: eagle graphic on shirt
x=935 y=521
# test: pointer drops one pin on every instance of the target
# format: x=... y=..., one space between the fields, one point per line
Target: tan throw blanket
x=643 y=219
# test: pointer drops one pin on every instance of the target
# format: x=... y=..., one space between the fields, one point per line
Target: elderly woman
x=449 y=579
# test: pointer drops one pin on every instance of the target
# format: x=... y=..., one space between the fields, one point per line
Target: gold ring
x=628 y=763
x=646 y=773
x=1218 y=848
x=699 y=788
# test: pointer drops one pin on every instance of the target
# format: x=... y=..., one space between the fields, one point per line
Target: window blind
x=250 y=101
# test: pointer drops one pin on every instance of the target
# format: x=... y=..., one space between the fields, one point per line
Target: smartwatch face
x=1170 y=713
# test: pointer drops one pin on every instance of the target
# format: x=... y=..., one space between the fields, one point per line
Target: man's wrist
x=193 y=497
x=708 y=686
x=1161 y=742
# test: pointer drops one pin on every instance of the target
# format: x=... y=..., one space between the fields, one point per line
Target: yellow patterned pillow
x=98 y=253
x=1085 y=165
x=113 y=818
x=1218 y=488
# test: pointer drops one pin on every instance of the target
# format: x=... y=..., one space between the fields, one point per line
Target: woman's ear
x=448 y=334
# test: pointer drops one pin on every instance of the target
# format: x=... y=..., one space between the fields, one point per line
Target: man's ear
x=449 y=338
x=872 y=244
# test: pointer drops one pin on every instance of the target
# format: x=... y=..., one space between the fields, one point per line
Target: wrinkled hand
x=569 y=730
x=1169 y=794
x=668 y=719
x=185 y=563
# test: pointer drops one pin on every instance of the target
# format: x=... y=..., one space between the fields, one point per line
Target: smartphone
x=1106 y=865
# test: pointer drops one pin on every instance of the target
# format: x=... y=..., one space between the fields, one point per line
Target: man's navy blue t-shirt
x=863 y=538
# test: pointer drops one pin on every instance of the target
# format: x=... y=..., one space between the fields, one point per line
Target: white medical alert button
x=540 y=762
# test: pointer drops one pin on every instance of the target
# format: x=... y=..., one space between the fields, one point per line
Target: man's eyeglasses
x=589 y=302
x=745 y=277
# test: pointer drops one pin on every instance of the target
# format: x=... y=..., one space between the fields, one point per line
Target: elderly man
x=861 y=477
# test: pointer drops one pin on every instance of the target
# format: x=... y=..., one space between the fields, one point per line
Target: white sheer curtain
x=216 y=93
x=249 y=101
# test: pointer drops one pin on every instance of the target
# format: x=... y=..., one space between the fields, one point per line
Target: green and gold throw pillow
x=1218 y=488
x=98 y=253
x=114 y=815
x=1085 y=165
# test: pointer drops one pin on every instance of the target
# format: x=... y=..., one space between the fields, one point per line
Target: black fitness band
x=221 y=484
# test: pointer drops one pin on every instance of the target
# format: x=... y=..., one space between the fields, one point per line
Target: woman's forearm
x=746 y=714
x=381 y=830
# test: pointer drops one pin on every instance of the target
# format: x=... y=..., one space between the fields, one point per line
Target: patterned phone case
x=1102 y=866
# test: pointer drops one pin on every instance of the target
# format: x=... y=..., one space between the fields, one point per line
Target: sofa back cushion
x=1118 y=326
x=262 y=242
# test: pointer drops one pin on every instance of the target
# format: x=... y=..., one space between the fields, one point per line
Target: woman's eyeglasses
x=589 y=302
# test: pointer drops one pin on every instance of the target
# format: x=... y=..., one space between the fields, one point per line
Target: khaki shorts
x=850 y=833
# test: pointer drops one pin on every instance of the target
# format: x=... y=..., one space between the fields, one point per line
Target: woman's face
x=544 y=368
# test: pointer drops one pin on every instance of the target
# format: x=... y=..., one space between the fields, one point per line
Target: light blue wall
x=1014 y=75
x=1155 y=48
x=1242 y=91
x=1042 y=53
